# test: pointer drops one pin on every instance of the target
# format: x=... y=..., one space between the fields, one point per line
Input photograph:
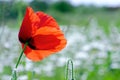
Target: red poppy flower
x=42 y=33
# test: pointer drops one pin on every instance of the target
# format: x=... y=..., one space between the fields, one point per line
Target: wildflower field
x=93 y=43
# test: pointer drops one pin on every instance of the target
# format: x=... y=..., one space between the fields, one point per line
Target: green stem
x=67 y=69
x=14 y=76
x=72 y=70
x=21 y=54
x=70 y=64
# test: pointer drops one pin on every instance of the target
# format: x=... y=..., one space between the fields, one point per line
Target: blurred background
x=92 y=28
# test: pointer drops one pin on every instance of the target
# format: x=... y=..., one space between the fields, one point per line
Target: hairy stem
x=69 y=72
x=14 y=75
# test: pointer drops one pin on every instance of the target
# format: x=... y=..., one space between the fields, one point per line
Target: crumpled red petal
x=44 y=44
x=28 y=26
x=46 y=20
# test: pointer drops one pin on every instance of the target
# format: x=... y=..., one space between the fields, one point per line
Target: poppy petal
x=46 y=20
x=43 y=46
x=28 y=25
x=49 y=38
x=44 y=42
x=36 y=55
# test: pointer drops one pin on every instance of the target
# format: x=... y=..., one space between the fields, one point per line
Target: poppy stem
x=14 y=76
x=69 y=72
x=21 y=54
